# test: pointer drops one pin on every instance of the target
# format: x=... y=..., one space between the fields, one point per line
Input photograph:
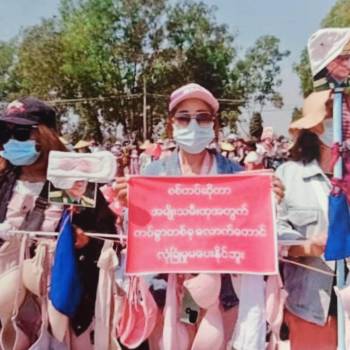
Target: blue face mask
x=20 y=153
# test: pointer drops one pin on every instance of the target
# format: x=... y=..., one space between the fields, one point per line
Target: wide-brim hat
x=146 y=145
x=82 y=144
x=64 y=141
x=225 y=146
x=314 y=111
x=190 y=91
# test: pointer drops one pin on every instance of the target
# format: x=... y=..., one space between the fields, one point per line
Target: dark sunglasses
x=18 y=132
x=203 y=119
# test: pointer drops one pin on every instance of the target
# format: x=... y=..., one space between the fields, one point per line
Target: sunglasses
x=204 y=119
x=18 y=132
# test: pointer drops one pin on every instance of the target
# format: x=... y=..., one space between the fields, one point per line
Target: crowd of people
x=116 y=311
x=133 y=157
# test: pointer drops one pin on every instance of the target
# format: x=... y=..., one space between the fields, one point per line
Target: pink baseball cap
x=193 y=91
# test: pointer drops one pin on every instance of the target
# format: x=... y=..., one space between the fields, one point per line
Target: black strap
x=35 y=218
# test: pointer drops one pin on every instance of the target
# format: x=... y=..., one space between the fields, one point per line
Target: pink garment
x=140 y=314
x=229 y=318
x=134 y=166
x=275 y=300
x=118 y=300
x=208 y=166
x=110 y=195
x=9 y=256
x=175 y=336
x=22 y=203
x=11 y=336
x=205 y=291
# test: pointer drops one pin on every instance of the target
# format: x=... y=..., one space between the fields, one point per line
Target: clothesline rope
x=307 y=267
x=36 y=234
x=117 y=237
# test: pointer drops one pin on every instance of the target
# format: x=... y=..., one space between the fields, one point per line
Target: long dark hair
x=306 y=148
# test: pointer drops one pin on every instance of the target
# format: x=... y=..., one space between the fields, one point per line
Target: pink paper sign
x=202 y=224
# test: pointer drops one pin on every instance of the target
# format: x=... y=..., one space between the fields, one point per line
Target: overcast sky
x=291 y=21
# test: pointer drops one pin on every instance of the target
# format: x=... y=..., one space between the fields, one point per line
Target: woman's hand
x=3 y=164
x=314 y=248
x=81 y=239
x=278 y=189
x=121 y=188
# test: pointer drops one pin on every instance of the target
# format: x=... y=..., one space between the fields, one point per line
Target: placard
x=223 y=224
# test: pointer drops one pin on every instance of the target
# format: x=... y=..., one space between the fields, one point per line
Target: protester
x=311 y=304
x=27 y=135
x=82 y=146
x=252 y=160
x=145 y=156
x=192 y=123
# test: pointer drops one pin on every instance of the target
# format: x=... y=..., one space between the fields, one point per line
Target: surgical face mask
x=20 y=153
x=327 y=136
x=193 y=138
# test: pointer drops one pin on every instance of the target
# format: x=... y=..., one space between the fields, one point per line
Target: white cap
x=326 y=45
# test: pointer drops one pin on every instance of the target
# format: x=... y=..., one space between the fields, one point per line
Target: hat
x=193 y=91
x=64 y=141
x=232 y=137
x=346 y=50
x=267 y=133
x=146 y=145
x=82 y=144
x=225 y=146
x=29 y=111
x=326 y=45
x=314 y=111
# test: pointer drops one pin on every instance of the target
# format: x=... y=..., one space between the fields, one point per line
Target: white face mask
x=327 y=136
x=193 y=138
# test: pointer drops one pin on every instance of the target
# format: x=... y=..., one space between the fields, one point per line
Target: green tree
x=257 y=75
x=303 y=70
x=103 y=53
x=7 y=57
x=39 y=60
x=338 y=16
x=296 y=114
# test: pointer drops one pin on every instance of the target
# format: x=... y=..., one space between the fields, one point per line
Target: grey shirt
x=300 y=216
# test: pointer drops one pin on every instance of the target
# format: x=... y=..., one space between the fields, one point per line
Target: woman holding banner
x=193 y=123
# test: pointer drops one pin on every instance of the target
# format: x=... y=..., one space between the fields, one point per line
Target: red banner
x=202 y=224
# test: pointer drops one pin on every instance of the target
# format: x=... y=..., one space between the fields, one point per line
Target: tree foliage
x=296 y=114
x=103 y=53
x=257 y=74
